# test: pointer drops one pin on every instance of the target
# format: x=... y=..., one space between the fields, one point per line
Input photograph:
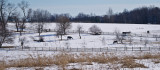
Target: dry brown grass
x=75 y=69
x=2 y=65
x=156 y=61
x=31 y=62
x=63 y=59
x=129 y=62
x=7 y=46
x=148 y=56
x=155 y=42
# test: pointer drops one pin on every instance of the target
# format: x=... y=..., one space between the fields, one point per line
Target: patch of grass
x=32 y=62
x=148 y=56
x=2 y=65
x=75 y=69
x=155 y=42
x=64 y=58
x=156 y=61
x=7 y=46
x=129 y=62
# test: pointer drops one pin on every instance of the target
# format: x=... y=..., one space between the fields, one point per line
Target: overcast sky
x=98 y=7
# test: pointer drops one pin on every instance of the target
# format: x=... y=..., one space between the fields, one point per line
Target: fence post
x=116 y=48
x=126 y=49
x=35 y=48
x=140 y=49
x=22 y=48
x=63 y=48
x=149 y=48
x=42 y=48
x=70 y=49
x=77 y=49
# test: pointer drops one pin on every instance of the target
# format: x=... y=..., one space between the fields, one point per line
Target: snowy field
x=87 y=41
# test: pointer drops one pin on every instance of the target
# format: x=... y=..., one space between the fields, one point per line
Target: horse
x=115 y=42
x=69 y=37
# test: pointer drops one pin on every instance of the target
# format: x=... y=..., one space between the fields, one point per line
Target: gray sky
x=98 y=7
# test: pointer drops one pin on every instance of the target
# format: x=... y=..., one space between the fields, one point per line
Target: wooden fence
x=107 y=49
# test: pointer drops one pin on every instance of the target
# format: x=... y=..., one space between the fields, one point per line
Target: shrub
x=95 y=30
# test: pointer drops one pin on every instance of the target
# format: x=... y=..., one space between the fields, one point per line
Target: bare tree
x=146 y=42
x=95 y=30
x=59 y=32
x=40 y=16
x=22 y=40
x=16 y=17
x=119 y=36
x=6 y=9
x=110 y=13
x=156 y=37
x=24 y=7
x=63 y=23
x=67 y=44
x=79 y=29
x=130 y=39
x=103 y=40
x=39 y=28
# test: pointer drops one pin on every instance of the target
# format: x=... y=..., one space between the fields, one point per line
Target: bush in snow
x=95 y=30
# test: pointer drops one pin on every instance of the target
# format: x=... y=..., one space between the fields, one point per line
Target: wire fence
x=103 y=33
x=58 y=49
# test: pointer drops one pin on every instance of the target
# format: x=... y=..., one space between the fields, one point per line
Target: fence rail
x=107 y=49
x=103 y=33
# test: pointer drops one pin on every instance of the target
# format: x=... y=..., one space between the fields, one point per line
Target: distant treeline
x=142 y=15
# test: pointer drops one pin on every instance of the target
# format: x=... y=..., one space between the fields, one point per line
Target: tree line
x=141 y=15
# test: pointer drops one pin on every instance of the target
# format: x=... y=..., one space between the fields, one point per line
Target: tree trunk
x=79 y=36
x=0 y=45
x=121 y=41
x=39 y=34
x=17 y=29
x=61 y=37
x=17 y=26
x=20 y=32
x=64 y=32
x=22 y=27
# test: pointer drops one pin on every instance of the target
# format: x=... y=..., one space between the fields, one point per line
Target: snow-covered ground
x=16 y=55
x=89 y=41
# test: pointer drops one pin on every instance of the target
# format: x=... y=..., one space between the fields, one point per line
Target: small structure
x=126 y=33
x=69 y=37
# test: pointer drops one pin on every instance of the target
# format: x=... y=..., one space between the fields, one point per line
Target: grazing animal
x=115 y=42
x=148 y=32
x=69 y=37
